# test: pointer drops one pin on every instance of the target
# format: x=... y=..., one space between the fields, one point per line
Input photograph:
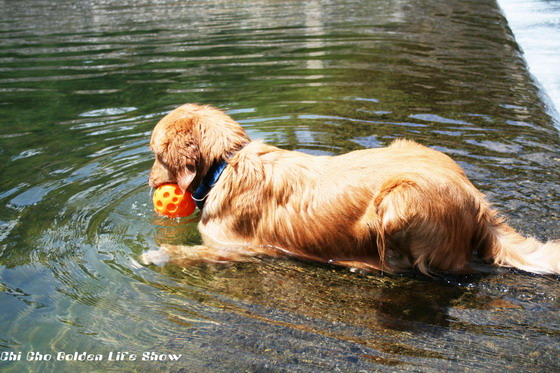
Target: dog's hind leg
x=424 y=225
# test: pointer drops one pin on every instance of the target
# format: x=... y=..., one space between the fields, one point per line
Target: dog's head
x=188 y=140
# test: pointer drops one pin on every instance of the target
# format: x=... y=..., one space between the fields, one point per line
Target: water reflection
x=82 y=85
x=389 y=321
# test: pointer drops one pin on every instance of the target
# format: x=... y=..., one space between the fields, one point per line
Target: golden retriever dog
x=389 y=209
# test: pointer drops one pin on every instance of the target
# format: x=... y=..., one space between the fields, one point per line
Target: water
x=83 y=83
x=536 y=25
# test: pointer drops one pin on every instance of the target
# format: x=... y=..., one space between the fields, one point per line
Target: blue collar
x=210 y=179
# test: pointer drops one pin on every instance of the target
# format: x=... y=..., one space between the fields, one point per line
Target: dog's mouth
x=155 y=186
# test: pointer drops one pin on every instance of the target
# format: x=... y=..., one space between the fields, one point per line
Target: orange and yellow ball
x=169 y=200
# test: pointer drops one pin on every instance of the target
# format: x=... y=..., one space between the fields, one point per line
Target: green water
x=82 y=84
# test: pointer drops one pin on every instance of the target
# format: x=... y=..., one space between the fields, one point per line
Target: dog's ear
x=185 y=177
x=184 y=157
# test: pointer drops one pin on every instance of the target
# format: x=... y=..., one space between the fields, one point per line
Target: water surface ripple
x=82 y=84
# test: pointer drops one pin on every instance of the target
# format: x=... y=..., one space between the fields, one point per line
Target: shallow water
x=82 y=84
x=536 y=27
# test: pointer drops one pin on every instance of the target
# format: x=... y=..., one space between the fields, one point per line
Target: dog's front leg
x=176 y=254
x=192 y=255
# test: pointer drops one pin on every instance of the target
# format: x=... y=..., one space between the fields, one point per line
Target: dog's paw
x=157 y=257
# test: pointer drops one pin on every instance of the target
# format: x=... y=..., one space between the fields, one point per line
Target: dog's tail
x=507 y=248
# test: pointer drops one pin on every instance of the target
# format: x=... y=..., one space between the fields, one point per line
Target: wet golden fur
x=403 y=206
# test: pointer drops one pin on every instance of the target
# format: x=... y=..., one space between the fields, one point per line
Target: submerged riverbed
x=82 y=84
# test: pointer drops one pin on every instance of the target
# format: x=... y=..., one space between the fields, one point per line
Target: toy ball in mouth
x=169 y=200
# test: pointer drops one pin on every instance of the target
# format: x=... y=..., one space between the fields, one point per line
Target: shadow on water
x=82 y=84
x=336 y=319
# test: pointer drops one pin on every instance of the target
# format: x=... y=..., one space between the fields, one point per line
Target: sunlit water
x=536 y=27
x=82 y=84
